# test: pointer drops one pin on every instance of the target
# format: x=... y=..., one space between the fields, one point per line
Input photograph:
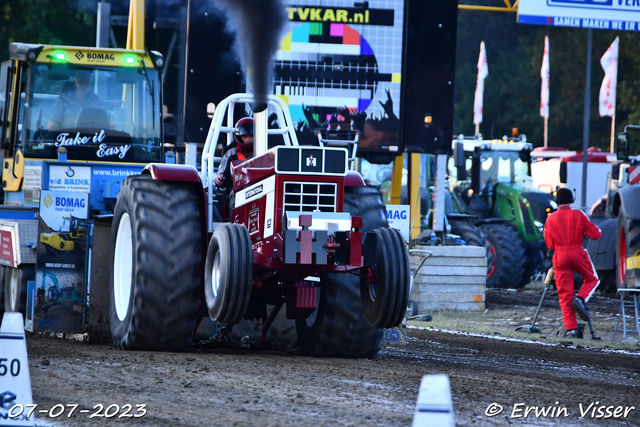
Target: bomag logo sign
x=48 y=200
x=103 y=56
x=95 y=56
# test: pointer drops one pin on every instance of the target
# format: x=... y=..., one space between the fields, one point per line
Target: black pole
x=587 y=107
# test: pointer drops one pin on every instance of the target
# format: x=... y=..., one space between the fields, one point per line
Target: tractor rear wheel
x=385 y=301
x=627 y=244
x=338 y=327
x=508 y=267
x=156 y=265
x=228 y=273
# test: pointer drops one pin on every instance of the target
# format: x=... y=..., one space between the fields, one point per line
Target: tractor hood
x=539 y=202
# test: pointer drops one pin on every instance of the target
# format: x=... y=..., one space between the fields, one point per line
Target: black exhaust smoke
x=258 y=25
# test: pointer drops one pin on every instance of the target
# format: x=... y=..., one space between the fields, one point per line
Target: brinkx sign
x=599 y=14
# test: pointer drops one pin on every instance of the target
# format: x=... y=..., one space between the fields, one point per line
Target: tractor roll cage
x=227 y=107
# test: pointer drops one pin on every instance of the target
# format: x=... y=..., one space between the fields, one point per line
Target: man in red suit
x=564 y=233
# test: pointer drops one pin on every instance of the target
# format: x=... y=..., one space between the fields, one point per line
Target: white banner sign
x=398 y=217
x=57 y=205
x=70 y=178
x=598 y=14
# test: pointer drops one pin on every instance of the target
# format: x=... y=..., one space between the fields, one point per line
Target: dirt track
x=240 y=387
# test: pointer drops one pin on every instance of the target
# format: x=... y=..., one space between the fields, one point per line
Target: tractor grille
x=310 y=196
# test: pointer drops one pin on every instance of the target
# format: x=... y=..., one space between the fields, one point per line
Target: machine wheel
x=608 y=282
x=412 y=308
x=338 y=327
x=628 y=242
x=507 y=270
x=15 y=287
x=55 y=251
x=156 y=265
x=474 y=237
x=228 y=273
x=385 y=301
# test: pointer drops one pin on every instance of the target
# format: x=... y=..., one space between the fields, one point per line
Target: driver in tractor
x=72 y=100
x=240 y=150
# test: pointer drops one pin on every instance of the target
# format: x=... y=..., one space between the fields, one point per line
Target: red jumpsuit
x=564 y=233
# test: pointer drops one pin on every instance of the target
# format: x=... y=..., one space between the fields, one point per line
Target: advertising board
x=339 y=68
x=597 y=14
x=57 y=299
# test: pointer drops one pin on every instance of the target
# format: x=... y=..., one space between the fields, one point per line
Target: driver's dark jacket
x=224 y=168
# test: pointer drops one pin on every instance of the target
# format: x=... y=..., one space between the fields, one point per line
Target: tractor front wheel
x=228 y=273
x=627 y=244
x=156 y=265
x=508 y=268
x=385 y=290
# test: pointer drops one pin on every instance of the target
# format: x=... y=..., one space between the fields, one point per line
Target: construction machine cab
x=119 y=121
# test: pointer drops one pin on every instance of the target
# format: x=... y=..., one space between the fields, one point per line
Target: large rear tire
x=627 y=244
x=338 y=326
x=508 y=269
x=156 y=265
x=228 y=273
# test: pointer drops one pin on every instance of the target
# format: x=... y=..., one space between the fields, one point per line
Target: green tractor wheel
x=508 y=267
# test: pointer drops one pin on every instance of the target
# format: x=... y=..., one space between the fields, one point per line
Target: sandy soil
x=252 y=387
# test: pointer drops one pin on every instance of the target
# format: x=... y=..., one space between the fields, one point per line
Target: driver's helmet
x=244 y=126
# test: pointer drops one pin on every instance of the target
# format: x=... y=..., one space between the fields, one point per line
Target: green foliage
x=512 y=88
x=59 y=22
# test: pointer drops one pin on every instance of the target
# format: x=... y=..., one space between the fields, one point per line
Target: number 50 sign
x=15 y=383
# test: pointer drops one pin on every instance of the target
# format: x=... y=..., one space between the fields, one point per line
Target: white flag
x=609 y=63
x=544 y=73
x=483 y=71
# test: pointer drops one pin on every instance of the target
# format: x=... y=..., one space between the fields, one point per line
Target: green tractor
x=491 y=180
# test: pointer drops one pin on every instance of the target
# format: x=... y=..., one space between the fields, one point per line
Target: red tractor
x=305 y=232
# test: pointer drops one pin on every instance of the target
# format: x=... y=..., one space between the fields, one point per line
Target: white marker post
x=435 y=407
x=15 y=382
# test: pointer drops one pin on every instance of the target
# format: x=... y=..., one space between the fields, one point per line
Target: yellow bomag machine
x=73 y=238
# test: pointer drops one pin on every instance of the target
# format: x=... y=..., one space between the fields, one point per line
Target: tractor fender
x=167 y=172
x=353 y=179
x=627 y=202
x=603 y=251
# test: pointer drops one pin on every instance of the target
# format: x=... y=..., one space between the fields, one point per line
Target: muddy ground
x=251 y=387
